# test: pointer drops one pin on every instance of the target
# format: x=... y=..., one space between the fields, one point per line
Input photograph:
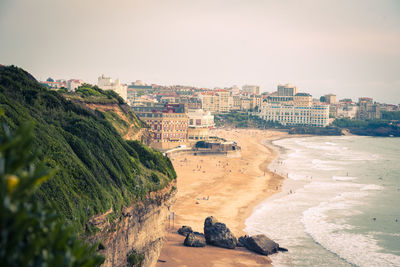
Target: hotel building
x=316 y=115
x=168 y=124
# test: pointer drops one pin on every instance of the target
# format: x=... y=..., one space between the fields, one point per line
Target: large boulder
x=192 y=240
x=241 y=241
x=218 y=234
x=261 y=244
x=185 y=230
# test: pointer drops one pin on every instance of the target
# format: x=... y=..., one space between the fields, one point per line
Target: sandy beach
x=226 y=187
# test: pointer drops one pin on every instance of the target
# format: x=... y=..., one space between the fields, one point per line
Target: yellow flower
x=12 y=182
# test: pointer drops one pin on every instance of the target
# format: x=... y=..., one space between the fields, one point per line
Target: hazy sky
x=350 y=48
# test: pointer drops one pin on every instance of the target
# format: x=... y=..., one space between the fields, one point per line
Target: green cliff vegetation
x=95 y=168
x=115 y=110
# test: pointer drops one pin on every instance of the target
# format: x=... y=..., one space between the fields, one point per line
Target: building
x=199 y=118
x=53 y=85
x=283 y=100
x=223 y=100
x=191 y=102
x=255 y=102
x=287 y=90
x=131 y=95
x=302 y=100
x=330 y=98
x=73 y=84
x=346 y=110
x=236 y=102
x=216 y=101
x=367 y=109
x=245 y=103
x=235 y=90
x=209 y=101
x=168 y=124
x=252 y=89
x=316 y=115
x=106 y=83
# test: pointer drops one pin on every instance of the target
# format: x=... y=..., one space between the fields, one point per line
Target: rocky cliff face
x=139 y=230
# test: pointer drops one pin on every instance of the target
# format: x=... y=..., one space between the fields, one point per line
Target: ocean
x=340 y=203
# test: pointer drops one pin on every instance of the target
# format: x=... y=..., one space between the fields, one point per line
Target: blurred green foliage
x=30 y=234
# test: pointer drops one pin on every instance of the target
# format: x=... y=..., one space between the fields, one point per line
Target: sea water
x=339 y=206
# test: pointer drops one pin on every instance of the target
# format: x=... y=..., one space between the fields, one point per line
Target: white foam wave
x=358 y=249
x=326 y=165
x=343 y=178
x=330 y=143
x=372 y=187
x=298 y=177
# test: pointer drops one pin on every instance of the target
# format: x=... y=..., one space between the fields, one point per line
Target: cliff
x=81 y=136
x=139 y=231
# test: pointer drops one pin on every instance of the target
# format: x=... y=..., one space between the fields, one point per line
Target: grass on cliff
x=115 y=110
x=96 y=168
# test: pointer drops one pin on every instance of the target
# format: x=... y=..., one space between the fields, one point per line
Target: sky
x=347 y=47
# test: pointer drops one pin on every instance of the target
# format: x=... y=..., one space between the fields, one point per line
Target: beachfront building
x=315 y=115
x=200 y=118
x=200 y=123
x=168 y=124
x=106 y=83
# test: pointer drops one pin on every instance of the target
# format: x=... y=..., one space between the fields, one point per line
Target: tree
x=50 y=79
x=30 y=234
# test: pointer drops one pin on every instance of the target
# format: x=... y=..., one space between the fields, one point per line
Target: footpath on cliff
x=226 y=187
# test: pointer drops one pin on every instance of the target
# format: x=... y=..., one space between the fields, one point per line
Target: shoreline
x=234 y=186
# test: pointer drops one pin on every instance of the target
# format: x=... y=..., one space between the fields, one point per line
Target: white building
x=316 y=115
x=73 y=84
x=106 y=83
x=200 y=118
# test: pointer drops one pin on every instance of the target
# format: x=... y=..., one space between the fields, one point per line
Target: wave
x=372 y=187
x=358 y=249
x=343 y=178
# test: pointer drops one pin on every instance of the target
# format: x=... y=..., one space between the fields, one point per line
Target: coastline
x=234 y=186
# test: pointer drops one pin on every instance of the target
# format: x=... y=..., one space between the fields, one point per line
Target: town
x=178 y=115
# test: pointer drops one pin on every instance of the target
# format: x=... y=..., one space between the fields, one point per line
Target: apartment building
x=216 y=101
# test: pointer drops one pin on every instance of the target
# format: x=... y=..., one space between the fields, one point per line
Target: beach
x=226 y=187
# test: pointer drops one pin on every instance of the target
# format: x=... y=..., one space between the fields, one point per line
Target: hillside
x=118 y=113
x=96 y=168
